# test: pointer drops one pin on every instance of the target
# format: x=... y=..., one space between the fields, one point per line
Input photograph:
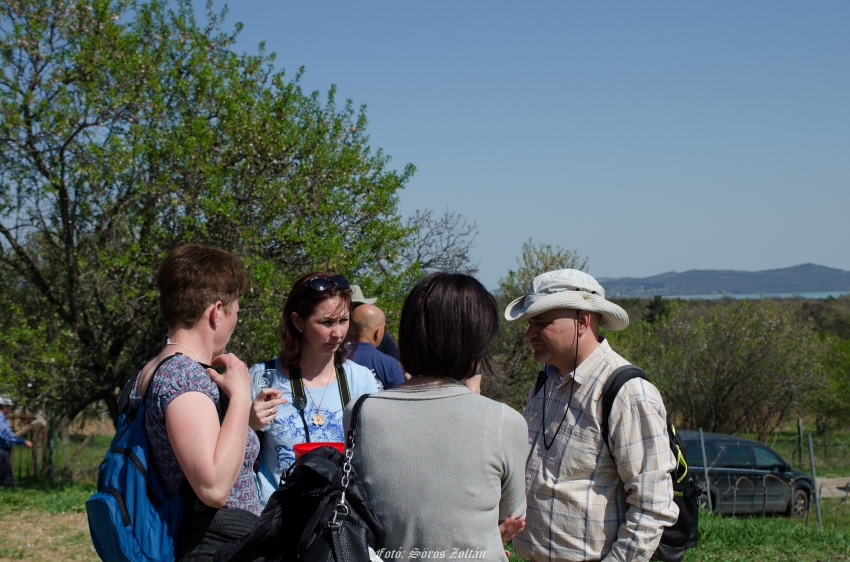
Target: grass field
x=84 y=467
x=45 y=523
x=49 y=523
x=766 y=539
x=44 y=520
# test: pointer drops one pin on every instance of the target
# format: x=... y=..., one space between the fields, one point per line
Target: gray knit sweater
x=442 y=466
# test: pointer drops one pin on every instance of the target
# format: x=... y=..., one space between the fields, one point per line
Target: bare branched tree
x=442 y=243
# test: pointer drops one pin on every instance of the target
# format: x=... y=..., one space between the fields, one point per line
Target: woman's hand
x=235 y=382
x=264 y=407
x=511 y=527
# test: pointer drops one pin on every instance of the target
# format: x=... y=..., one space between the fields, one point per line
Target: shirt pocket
x=574 y=455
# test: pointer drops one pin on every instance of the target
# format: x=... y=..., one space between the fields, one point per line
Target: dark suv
x=747 y=476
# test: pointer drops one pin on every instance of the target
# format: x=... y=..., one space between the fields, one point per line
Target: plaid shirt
x=584 y=501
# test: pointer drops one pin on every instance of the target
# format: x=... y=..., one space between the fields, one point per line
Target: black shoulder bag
x=320 y=513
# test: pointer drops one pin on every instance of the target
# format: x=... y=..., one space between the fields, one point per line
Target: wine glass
x=269 y=379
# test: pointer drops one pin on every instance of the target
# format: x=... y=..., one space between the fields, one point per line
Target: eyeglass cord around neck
x=569 y=400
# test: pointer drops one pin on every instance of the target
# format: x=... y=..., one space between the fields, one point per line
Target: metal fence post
x=800 y=440
x=814 y=481
x=705 y=471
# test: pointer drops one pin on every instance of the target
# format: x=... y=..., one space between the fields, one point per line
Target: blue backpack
x=131 y=518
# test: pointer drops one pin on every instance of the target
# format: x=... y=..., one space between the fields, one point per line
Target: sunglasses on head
x=321 y=283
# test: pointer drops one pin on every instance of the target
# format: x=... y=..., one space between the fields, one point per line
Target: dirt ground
x=829 y=487
x=32 y=535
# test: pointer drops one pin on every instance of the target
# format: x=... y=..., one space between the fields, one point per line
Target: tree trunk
x=111 y=401
x=63 y=426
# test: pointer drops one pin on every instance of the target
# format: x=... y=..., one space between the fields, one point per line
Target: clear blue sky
x=648 y=137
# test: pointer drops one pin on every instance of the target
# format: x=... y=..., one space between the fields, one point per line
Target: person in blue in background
x=367 y=322
x=7 y=440
x=314 y=336
x=387 y=344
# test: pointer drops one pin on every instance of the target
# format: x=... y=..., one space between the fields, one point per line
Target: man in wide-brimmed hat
x=586 y=502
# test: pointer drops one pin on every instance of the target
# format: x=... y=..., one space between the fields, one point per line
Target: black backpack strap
x=132 y=414
x=542 y=377
x=299 y=398
x=612 y=387
x=124 y=397
x=342 y=379
x=355 y=417
x=223 y=399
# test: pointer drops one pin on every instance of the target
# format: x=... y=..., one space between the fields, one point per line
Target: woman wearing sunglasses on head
x=299 y=396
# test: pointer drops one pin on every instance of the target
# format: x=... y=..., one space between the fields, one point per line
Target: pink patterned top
x=176 y=376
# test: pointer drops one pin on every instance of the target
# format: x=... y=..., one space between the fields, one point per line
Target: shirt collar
x=587 y=367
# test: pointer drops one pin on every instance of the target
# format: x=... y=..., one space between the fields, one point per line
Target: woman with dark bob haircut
x=443 y=466
x=199 y=290
x=313 y=339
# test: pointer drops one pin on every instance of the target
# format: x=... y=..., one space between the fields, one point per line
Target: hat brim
x=613 y=317
x=364 y=301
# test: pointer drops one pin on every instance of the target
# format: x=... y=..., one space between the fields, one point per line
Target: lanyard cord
x=569 y=400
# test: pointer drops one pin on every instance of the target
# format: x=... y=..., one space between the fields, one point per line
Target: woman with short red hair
x=196 y=419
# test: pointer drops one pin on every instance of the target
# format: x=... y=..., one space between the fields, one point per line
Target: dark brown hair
x=192 y=277
x=305 y=305
x=447 y=323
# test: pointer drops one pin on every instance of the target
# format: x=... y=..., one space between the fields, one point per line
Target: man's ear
x=584 y=317
x=378 y=335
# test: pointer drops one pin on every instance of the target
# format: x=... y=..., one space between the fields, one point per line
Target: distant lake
x=756 y=296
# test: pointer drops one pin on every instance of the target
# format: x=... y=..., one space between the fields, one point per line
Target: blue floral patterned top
x=288 y=428
x=177 y=376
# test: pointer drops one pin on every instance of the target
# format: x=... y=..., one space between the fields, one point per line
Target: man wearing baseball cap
x=387 y=345
x=7 y=439
x=585 y=501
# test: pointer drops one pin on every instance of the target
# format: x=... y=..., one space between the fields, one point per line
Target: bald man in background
x=368 y=321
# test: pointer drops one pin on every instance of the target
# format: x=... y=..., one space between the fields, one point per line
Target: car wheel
x=799 y=505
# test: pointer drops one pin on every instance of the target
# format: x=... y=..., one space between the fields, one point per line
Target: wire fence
x=831 y=455
x=34 y=462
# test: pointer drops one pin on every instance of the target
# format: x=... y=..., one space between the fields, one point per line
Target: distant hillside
x=806 y=278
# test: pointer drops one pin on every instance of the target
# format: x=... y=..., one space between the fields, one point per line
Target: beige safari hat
x=567 y=288
x=357 y=296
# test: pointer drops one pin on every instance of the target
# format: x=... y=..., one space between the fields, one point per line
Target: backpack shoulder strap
x=612 y=387
x=677 y=446
x=342 y=380
x=542 y=377
x=124 y=397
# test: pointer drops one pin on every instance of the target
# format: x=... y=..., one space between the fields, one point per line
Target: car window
x=766 y=459
x=693 y=454
x=733 y=455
